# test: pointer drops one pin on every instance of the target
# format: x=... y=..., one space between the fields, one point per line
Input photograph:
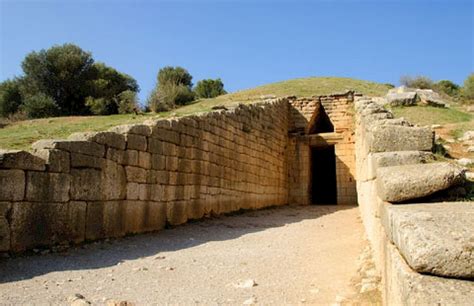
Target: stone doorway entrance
x=323 y=175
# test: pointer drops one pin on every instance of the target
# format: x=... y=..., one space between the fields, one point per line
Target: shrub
x=10 y=97
x=174 y=75
x=467 y=90
x=127 y=102
x=100 y=106
x=209 y=88
x=447 y=87
x=40 y=106
x=420 y=82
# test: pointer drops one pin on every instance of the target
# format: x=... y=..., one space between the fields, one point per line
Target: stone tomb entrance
x=321 y=150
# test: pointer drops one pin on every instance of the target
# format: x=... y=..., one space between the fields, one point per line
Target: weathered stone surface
x=434 y=238
x=43 y=224
x=83 y=147
x=86 y=184
x=403 y=286
x=14 y=159
x=176 y=212
x=136 y=142
x=86 y=161
x=389 y=159
x=113 y=181
x=56 y=160
x=136 y=174
x=139 y=129
x=144 y=160
x=144 y=216
x=110 y=139
x=12 y=185
x=401 y=183
x=399 y=99
x=44 y=186
x=105 y=219
x=431 y=98
x=400 y=138
x=5 y=208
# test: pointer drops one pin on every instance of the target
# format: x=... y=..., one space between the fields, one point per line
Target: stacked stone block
x=423 y=251
x=137 y=178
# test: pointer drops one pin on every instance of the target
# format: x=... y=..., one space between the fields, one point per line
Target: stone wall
x=423 y=251
x=138 y=178
x=339 y=108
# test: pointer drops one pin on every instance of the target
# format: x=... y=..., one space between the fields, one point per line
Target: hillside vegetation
x=20 y=135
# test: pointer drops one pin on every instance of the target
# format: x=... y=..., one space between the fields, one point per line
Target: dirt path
x=294 y=255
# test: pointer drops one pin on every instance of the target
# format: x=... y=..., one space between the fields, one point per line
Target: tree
x=447 y=87
x=106 y=87
x=127 y=102
x=174 y=75
x=420 y=82
x=40 y=105
x=173 y=88
x=10 y=97
x=468 y=88
x=62 y=73
x=209 y=88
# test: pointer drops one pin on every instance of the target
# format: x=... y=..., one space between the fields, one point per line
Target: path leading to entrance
x=293 y=254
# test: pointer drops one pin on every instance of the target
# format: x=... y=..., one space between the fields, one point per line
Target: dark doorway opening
x=323 y=175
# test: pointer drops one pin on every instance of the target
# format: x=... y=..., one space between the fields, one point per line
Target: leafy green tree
x=447 y=87
x=127 y=102
x=209 y=88
x=62 y=73
x=40 y=105
x=10 y=97
x=173 y=88
x=175 y=75
x=468 y=88
x=421 y=82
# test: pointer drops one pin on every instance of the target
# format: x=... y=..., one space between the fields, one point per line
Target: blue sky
x=249 y=43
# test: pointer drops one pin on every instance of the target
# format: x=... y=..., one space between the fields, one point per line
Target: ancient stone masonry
x=424 y=251
x=306 y=114
x=138 y=178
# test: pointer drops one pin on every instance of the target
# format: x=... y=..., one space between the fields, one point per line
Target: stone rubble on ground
x=404 y=96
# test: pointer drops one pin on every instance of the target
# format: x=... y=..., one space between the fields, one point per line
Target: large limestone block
x=176 y=212
x=110 y=139
x=136 y=142
x=402 y=183
x=86 y=185
x=138 y=129
x=86 y=161
x=144 y=216
x=403 y=286
x=384 y=138
x=429 y=97
x=5 y=208
x=12 y=185
x=14 y=159
x=77 y=146
x=36 y=224
x=56 y=160
x=389 y=159
x=401 y=99
x=113 y=181
x=45 y=187
x=434 y=238
x=105 y=219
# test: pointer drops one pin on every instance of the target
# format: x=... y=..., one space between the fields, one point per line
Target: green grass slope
x=20 y=135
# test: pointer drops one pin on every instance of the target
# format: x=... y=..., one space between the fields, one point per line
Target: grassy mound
x=20 y=135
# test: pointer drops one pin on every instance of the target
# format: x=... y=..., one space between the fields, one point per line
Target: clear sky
x=248 y=43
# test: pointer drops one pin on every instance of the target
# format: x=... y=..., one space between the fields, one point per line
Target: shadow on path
x=112 y=252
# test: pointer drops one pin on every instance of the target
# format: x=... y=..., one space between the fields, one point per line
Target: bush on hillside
x=173 y=89
x=447 y=87
x=127 y=102
x=209 y=88
x=467 y=90
x=40 y=106
x=420 y=82
x=10 y=97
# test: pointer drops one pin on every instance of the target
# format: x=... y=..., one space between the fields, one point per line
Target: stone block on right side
x=401 y=183
x=386 y=138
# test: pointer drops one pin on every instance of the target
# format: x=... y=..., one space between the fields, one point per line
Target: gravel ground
x=286 y=255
